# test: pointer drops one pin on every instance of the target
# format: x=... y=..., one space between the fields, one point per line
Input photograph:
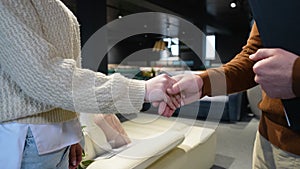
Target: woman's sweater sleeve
x=237 y=75
x=43 y=74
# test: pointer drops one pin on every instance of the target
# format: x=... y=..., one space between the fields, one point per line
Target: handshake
x=169 y=93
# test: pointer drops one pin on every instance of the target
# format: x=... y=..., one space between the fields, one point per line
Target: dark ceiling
x=212 y=16
x=230 y=25
x=215 y=15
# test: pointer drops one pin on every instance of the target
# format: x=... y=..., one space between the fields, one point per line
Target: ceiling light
x=159 y=46
x=233 y=4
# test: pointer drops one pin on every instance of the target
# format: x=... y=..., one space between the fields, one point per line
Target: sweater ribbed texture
x=40 y=71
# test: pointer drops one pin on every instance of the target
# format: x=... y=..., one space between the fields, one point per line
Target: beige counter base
x=195 y=150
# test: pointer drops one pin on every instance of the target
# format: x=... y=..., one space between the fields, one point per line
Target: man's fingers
x=165 y=110
x=174 y=100
x=262 y=54
x=161 y=108
x=169 y=102
x=177 y=100
x=189 y=99
x=168 y=112
x=174 y=90
x=165 y=113
x=155 y=104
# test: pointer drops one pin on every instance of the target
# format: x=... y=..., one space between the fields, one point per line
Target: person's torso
x=52 y=21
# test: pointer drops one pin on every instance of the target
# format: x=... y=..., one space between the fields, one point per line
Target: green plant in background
x=85 y=164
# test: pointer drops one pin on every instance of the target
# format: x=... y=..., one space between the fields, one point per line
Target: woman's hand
x=75 y=156
x=156 y=92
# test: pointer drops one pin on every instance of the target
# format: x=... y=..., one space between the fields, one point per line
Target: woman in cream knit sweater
x=43 y=85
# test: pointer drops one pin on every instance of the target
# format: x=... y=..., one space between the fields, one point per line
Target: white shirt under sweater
x=42 y=81
x=48 y=138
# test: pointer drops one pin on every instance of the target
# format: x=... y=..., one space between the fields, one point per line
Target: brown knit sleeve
x=238 y=72
x=296 y=77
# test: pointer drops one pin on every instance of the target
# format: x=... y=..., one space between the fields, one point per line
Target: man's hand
x=156 y=92
x=189 y=86
x=274 y=72
x=75 y=156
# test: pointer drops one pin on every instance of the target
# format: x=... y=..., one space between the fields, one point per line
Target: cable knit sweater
x=41 y=77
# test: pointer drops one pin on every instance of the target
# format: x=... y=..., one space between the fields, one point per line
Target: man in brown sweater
x=276 y=145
